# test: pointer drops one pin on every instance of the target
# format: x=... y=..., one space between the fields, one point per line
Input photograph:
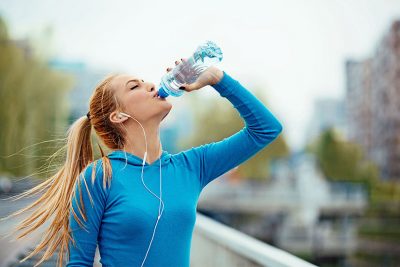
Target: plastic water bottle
x=206 y=55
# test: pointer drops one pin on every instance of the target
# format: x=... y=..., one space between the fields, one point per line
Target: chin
x=166 y=114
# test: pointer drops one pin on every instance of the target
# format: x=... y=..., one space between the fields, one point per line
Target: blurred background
x=327 y=190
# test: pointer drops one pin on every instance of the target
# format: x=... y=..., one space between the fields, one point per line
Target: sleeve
x=93 y=196
x=261 y=128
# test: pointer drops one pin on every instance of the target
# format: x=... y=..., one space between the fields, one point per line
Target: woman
x=110 y=203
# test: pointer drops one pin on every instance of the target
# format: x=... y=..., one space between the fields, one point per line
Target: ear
x=116 y=118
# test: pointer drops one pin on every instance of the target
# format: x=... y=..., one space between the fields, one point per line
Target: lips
x=158 y=97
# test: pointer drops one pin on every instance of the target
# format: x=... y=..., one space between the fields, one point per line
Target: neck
x=136 y=145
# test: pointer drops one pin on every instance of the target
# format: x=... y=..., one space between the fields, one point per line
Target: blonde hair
x=60 y=188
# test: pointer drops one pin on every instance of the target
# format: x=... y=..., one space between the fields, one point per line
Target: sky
x=293 y=51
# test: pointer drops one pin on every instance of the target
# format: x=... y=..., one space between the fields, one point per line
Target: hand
x=212 y=75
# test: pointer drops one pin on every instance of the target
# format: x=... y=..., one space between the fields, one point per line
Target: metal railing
x=215 y=244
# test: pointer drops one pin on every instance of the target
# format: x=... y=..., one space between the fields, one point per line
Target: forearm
x=259 y=120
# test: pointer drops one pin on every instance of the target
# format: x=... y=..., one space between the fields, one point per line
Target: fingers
x=183 y=87
x=182 y=60
x=177 y=63
x=190 y=87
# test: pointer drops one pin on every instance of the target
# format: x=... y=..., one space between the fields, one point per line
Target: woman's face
x=139 y=98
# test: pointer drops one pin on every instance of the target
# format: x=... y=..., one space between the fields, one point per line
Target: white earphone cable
x=160 y=198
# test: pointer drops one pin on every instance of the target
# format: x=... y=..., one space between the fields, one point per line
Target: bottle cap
x=162 y=93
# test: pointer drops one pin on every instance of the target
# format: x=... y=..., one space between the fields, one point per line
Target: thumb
x=190 y=87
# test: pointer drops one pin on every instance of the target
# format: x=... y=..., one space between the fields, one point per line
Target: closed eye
x=134 y=87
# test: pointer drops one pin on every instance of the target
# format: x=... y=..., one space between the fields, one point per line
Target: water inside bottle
x=205 y=55
x=188 y=71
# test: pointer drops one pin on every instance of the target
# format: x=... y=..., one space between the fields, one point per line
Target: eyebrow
x=134 y=80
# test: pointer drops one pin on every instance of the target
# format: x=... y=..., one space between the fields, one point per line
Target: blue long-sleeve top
x=123 y=216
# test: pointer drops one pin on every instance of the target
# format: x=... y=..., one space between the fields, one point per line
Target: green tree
x=34 y=107
x=341 y=160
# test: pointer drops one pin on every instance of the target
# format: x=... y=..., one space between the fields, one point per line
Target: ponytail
x=59 y=190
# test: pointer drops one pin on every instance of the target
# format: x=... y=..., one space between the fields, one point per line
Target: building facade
x=373 y=104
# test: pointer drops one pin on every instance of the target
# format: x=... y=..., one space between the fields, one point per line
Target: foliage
x=341 y=160
x=33 y=109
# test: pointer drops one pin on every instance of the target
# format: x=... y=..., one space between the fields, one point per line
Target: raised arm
x=82 y=253
x=261 y=128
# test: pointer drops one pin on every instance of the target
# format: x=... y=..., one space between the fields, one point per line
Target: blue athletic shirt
x=123 y=215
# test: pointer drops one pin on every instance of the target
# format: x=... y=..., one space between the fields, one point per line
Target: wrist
x=226 y=85
x=218 y=75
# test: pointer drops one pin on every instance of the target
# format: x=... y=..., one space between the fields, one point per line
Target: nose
x=151 y=86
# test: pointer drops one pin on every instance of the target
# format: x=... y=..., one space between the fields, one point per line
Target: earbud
x=121 y=115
